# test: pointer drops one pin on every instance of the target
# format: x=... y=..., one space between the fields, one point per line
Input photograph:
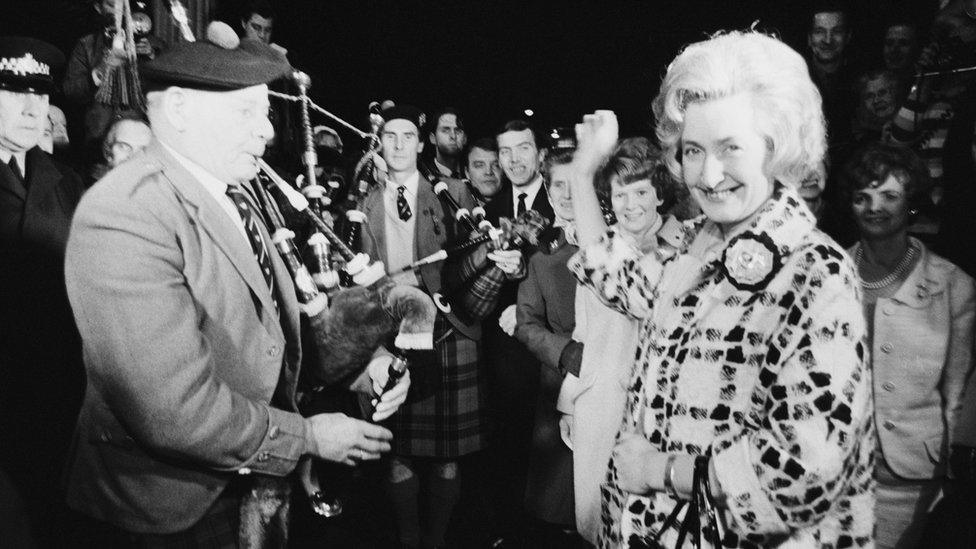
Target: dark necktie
x=249 y=217
x=15 y=168
x=520 y=209
x=402 y=207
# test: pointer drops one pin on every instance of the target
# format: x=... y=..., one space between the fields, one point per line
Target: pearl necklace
x=890 y=278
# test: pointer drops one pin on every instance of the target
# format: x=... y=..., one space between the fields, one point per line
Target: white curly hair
x=786 y=101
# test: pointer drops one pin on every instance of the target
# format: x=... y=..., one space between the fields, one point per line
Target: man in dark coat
x=41 y=377
x=513 y=373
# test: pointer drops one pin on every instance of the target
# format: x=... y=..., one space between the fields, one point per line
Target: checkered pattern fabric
x=451 y=421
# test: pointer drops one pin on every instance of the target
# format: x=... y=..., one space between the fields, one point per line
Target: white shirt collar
x=213 y=186
x=411 y=184
x=530 y=190
x=20 y=156
x=445 y=171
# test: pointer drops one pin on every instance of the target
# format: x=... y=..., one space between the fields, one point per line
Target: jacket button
x=273 y=350
x=243 y=471
x=273 y=432
x=263 y=456
x=888 y=310
x=886 y=348
x=888 y=386
x=106 y=437
x=888 y=425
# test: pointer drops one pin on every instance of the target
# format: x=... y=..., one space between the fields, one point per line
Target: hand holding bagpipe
x=357 y=322
x=489 y=262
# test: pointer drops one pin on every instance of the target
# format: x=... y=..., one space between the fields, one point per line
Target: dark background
x=492 y=59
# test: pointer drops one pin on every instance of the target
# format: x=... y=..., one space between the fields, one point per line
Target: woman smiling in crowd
x=750 y=369
x=639 y=188
x=919 y=309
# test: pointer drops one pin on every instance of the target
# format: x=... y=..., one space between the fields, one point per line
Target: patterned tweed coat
x=751 y=350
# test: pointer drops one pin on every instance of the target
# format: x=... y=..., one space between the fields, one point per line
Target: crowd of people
x=754 y=328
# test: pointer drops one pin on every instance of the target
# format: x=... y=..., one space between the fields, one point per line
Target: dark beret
x=26 y=64
x=204 y=65
x=406 y=112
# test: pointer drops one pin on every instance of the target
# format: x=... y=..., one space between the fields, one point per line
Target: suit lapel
x=10 y=183
x=429 y=229
x=375 y=227
x=541 y=203
x=215 y=221
x=47 y=209
x=285 y=287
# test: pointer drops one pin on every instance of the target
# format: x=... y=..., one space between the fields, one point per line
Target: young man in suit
x=41 y=375
x=190 y=324
x=513 y=371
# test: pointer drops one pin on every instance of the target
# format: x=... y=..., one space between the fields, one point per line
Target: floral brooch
x=751 y=260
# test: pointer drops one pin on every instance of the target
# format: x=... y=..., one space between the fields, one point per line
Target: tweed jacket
x=435 y=229
x=750 y=350
x=191 y=371
x=921 y=355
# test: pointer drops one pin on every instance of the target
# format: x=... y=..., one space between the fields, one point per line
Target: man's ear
x=431 y=138
x=176 y=107
x=420 y=146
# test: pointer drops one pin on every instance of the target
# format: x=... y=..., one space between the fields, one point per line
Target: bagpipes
x=120 y=87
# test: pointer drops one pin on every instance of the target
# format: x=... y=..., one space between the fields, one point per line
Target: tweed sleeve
x=619 y=276
x=810 y=438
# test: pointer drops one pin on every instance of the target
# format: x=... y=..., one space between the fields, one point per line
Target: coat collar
x=783 y=219
x=214 y=220
x=926 y=280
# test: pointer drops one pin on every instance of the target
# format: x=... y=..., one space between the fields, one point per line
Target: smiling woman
x=919 y=308
x=749 y=389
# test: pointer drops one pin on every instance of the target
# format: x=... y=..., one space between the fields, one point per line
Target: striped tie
x=402 y=207
x=249 y=217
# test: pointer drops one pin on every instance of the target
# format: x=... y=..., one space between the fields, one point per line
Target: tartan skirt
x=449 y=419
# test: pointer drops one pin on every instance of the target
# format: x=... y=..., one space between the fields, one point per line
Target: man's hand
x=635 y=458
x=340 y=438
x=509 y=261
x=596 y=136
x=390 y=401
x=506 y=320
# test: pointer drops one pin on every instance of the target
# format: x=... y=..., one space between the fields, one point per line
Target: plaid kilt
x=450 y=420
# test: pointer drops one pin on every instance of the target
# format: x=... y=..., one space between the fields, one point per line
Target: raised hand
x=596 y=136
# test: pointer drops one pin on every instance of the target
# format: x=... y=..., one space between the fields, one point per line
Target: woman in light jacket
x=750 y=384
x=636 y=184
x=920 y=310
